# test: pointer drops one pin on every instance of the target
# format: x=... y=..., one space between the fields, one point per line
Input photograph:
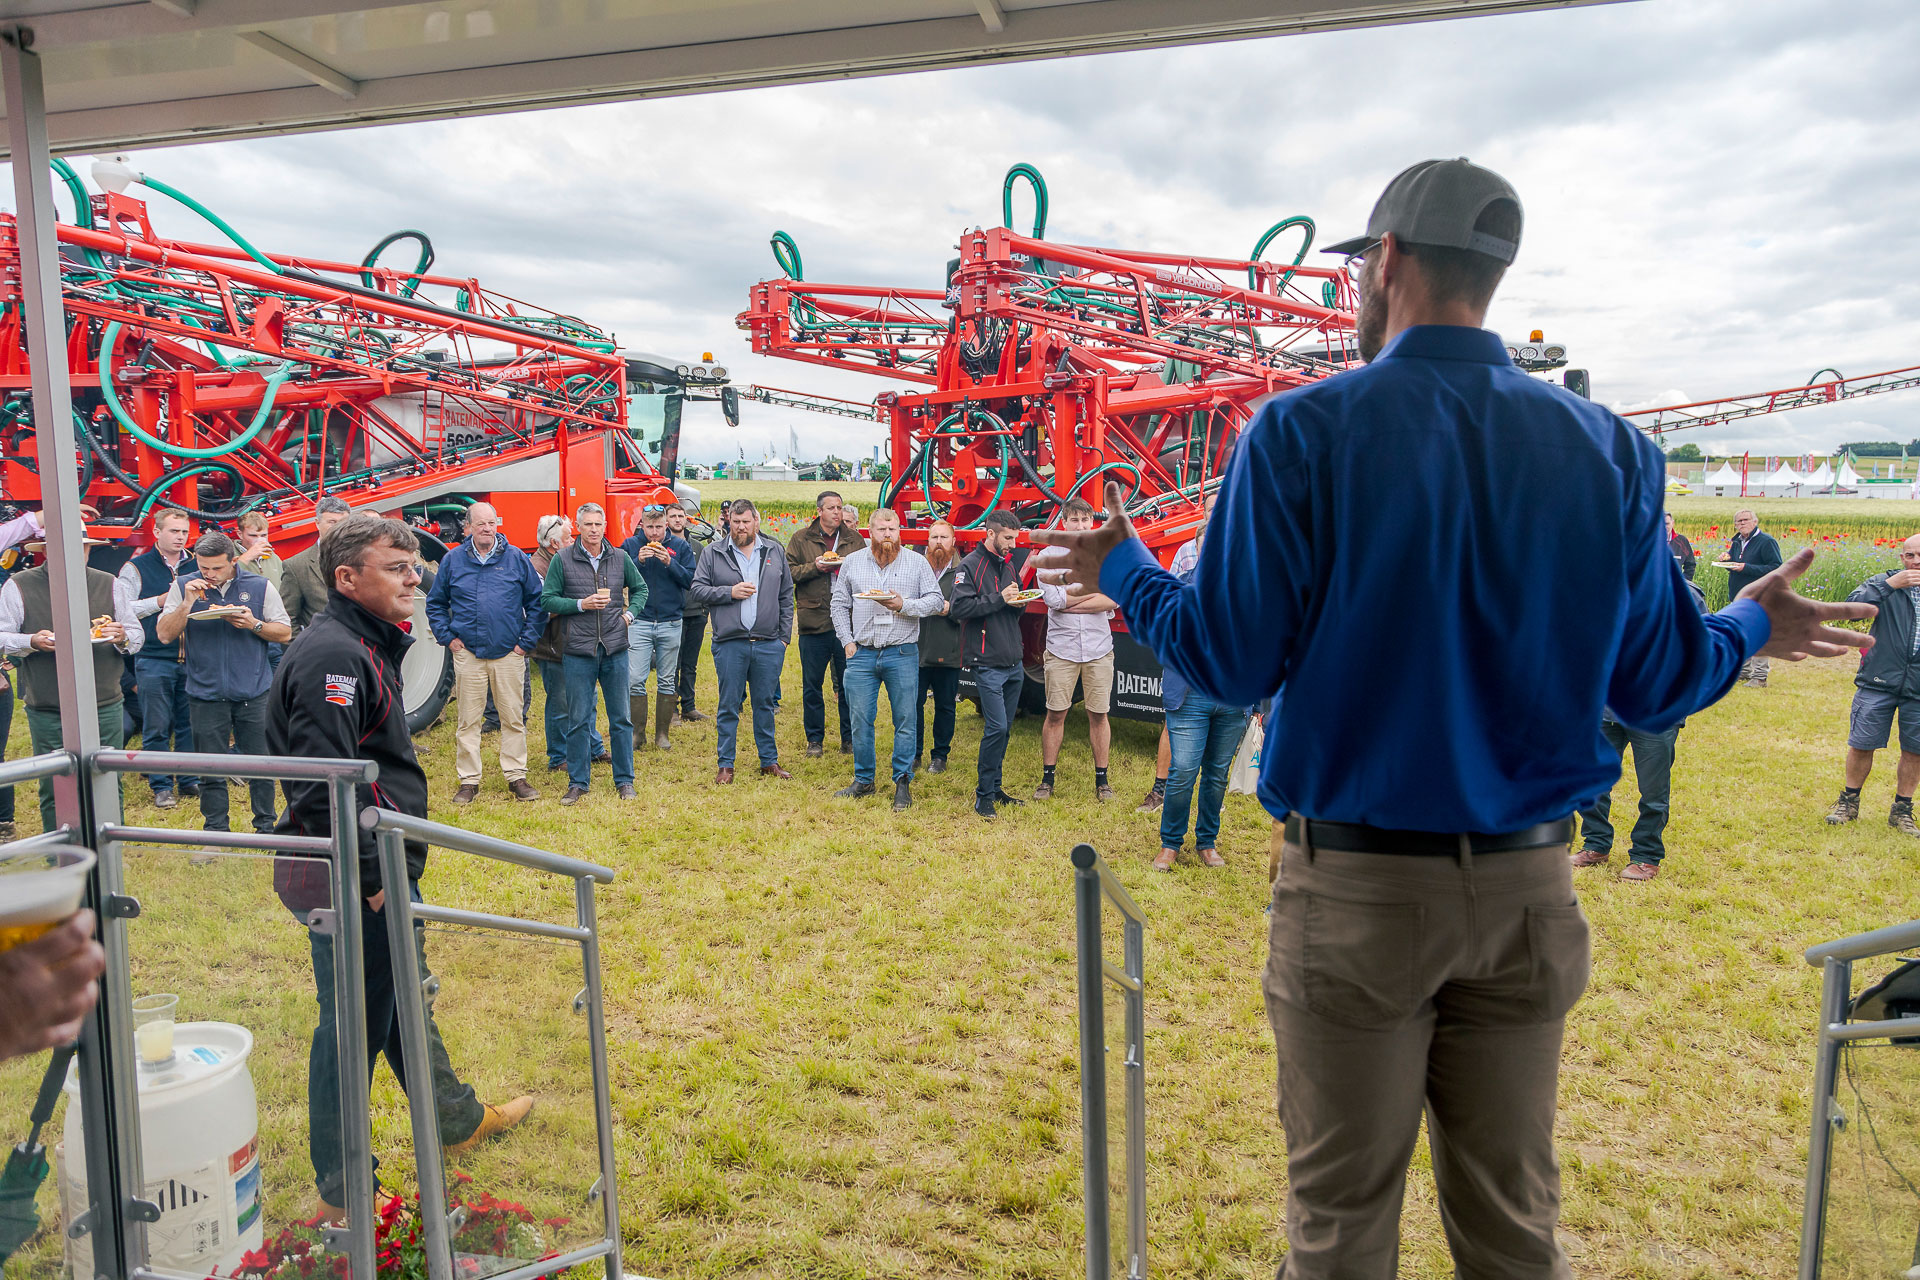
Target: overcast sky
x=1720 y=195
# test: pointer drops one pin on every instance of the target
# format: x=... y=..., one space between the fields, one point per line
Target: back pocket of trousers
x=1357 y=959
x=1560 y=958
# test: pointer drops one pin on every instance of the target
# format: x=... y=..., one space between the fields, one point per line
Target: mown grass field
x=843 y=1041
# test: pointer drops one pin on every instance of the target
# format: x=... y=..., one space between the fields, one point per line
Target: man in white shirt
x=1079 y=652
x=883 y=591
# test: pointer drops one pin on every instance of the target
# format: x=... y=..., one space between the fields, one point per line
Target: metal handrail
x=1864 y=946
x=53 y=764
x=45 y=842
x=309 y=845
x=412 y=998
x=520 y=855
x=1093 y=885
x=221 y=765
x=341 y=850
x=1835 y=962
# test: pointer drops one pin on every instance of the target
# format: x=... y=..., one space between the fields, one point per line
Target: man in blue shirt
x=1425 y=943
x=484 y=606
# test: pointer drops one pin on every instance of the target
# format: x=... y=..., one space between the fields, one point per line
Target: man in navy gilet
x=223 y=617
x=157 y=673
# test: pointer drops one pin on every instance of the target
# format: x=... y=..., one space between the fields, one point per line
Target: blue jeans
x=609 y=673
x=553 y=678
x=1204 y=737
x=459 y=1111
x=739 y=663
x=898 y=668
x=1653 y=768
x=653 y=646
x=166 y=724
x=999 y=698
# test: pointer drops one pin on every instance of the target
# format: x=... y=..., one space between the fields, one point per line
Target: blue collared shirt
x=1458 y=566
x=748 y=563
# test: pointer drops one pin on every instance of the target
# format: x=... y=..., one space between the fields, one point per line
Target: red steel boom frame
x=212 y=380
x=1051 y=368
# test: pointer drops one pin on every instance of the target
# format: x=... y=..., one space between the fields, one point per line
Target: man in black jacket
x=1888 y=681
x=986 y=599
x=940 y=649
x=337 y=695
x=1752 y=555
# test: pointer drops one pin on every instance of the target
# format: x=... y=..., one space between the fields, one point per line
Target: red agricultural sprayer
x=219 y=379
x=1051 y=368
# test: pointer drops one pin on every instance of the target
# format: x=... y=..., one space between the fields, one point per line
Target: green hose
x=787 y=255
x=419 y=268
x=82 y=205
x=119 y=411
x=216 y=220
x=994 y=423
x=1260 y=247
x=185 y=473
x=1039 y=186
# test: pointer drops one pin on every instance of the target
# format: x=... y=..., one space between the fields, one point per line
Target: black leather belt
x=1354 y=837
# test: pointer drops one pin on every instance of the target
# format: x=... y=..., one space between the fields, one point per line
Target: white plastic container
x=199 y=1145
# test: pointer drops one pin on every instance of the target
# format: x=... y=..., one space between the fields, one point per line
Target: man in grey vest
x=234 y=614
x=590 y=586
x=27 y=635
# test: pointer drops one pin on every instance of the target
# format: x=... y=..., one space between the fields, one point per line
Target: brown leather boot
x=494 y=1121
x=637 y=708
x=662 y=719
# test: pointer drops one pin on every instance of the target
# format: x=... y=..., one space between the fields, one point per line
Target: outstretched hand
x=1800 y=625
x=1079 y=569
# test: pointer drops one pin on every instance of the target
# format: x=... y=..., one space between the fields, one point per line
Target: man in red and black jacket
x=986 y=592
x=337 y=695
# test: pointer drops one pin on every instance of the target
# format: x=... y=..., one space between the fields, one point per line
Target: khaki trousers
x=1399 y=984
x=472 y=675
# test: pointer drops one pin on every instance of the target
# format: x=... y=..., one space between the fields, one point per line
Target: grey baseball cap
x=1437 y=202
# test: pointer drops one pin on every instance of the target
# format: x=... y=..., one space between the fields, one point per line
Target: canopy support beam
x=81 y=798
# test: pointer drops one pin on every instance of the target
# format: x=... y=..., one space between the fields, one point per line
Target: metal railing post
x=410 y=1001
x=1093 y=1066
x=350 y=1020
x=586 y=915
x=1136 y=1101
x=1836 y=985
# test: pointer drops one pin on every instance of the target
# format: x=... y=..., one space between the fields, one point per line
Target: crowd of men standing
x=621 y=627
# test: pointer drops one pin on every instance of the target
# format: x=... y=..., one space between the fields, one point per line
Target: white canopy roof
x=1849 y=478
x=1725 y=475
x=1822 y=475
x=125 y=73
x=1784 y=476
